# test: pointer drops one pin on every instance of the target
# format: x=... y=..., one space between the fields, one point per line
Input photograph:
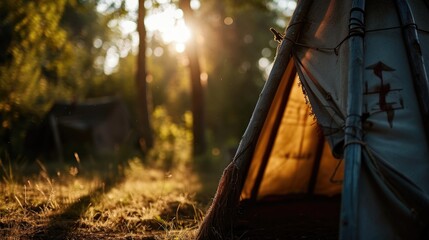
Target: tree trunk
x=199 y=142
x=145 y=130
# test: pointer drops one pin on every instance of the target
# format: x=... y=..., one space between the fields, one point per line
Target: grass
x=92 y=199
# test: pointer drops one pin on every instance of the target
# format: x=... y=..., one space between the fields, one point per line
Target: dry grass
x=92 y=200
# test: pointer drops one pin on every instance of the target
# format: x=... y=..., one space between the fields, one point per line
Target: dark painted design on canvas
x=389 y=98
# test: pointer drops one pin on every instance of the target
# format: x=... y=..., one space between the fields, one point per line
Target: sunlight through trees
x=73 y=50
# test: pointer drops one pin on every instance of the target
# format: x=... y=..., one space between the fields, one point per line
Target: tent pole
x=416 y=60
x=353 y=127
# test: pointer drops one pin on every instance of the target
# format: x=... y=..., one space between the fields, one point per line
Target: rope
x=349 y=142
x=357 y=28
x=356 y=25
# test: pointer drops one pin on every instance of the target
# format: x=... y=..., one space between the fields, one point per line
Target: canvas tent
x=337 y=146
x=96 y=125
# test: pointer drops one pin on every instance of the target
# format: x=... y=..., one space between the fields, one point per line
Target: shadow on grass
x=209 y=172
x=64 y=225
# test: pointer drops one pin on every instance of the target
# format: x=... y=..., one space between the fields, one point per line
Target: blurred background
x=167 y=80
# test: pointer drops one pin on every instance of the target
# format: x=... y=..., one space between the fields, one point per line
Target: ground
x=99 y=200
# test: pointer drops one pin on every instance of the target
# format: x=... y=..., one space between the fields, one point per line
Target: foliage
x=229 y=56
x=47 y=54
x=34 y=60
x=172 y=140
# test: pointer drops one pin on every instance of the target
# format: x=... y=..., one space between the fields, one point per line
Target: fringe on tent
x=218 y=222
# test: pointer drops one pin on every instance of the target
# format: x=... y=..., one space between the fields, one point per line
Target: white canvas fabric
x=283 y=153
x=395 y=148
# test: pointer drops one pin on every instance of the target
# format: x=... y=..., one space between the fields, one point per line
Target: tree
x=146 y=142
x=33 y=60
x=198 y=127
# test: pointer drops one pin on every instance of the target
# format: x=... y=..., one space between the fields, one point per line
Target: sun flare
x=171 y=26
x=165 y=23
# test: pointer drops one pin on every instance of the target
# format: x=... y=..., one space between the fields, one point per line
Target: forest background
x=72 y=50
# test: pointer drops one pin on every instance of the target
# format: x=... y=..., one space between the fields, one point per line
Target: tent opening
x=292 y=172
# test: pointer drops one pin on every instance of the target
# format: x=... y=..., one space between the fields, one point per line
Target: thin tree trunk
x=145 y=138
x=199 y=142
